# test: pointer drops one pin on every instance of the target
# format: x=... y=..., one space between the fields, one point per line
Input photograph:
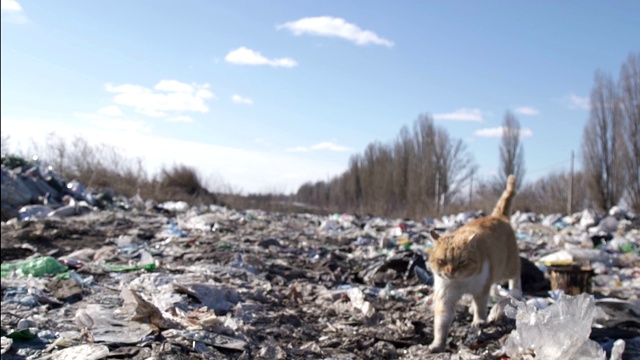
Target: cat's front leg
x=444 y=311
x=515 y=287
x=480 y=302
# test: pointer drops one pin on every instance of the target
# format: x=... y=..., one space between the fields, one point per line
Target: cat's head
x=454 y=255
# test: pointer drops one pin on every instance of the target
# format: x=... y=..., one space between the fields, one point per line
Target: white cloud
x=326 y=145
x=175 y=97
x=474 y=115
x=334 y=27
x=173 y=86
x=241 y=100
x=329 y=146
x=497 y=132
x=12 y=12
x=181 y=118
x=577 y=102
x=204 y=93
x=10 y=5
x=527 y=110
x=111 y=110
x=245 y=56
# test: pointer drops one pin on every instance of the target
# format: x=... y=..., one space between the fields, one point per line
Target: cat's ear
x=434 y=235
x=472 y=241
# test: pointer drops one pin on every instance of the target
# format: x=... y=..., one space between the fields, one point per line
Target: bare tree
x=413 y=176
x=630 y=104
x=602 y=151
x=511 y=152
x=454 y=166
x=402 y=154
x=549 y=194
x=5 y=144
x=354 y=185
x=376 y=174
x=422 y=183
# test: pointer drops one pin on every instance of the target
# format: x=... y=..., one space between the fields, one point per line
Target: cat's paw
x=478 y=323
x=436 y=348
x=498 y=311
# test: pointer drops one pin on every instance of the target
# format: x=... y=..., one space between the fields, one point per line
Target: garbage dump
x=118 y=279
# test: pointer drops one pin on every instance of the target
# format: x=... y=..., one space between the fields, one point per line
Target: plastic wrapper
x=40 y=266
x=560 y=331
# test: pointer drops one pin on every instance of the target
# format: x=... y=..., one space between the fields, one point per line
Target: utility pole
x=437 y=202
x=570 y=195
x=471 y=188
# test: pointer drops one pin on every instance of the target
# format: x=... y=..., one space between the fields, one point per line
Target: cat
x=470 y=260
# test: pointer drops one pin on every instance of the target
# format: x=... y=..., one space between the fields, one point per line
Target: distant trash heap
x=33 y=190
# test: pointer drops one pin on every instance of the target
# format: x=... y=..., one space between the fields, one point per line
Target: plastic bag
x=560 y=331
x=45 y=265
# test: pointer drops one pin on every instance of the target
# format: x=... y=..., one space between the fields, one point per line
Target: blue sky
x=266 y=95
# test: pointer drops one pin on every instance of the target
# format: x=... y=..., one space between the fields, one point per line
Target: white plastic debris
x=6 y=344
x=618 y=349
x=204 y=222
x=588 y=219
x=357 y=300
x=219 y=298
x=618 y=212
x=84 y=351
x=562 y=257
x=560 y=331
x=175 y=206
x=106 y=327
x=579 y=256
x=549 y=220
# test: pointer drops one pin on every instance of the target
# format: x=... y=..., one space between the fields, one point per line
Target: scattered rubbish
x=22 y=335
x=115 y=277
x=106 y=326
x=560 y=331
x=221 y=299
x=84 y=351
x=617 y=350
x=357 y=300
x=65 y=290
x=34 y=212
x=572 y=279
x=126 y=268
x=216 y=340
x=174 y=230
x=40 y=266
x=5 y=344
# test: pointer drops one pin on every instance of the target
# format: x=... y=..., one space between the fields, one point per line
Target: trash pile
x=31 y=189
x=131 y=279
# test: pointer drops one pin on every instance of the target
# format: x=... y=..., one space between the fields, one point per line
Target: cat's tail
x=504 y=204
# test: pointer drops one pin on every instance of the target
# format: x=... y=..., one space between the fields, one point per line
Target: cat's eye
x=442 y=262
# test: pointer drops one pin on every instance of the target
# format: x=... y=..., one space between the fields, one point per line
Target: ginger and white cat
x=469 y=261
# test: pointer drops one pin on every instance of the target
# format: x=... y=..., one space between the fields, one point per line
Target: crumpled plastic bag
x=84 y=351
x=357 y=300
x=40 y=266
x=560 y=331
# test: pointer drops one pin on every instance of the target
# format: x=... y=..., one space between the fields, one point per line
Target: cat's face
x=454 y=257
